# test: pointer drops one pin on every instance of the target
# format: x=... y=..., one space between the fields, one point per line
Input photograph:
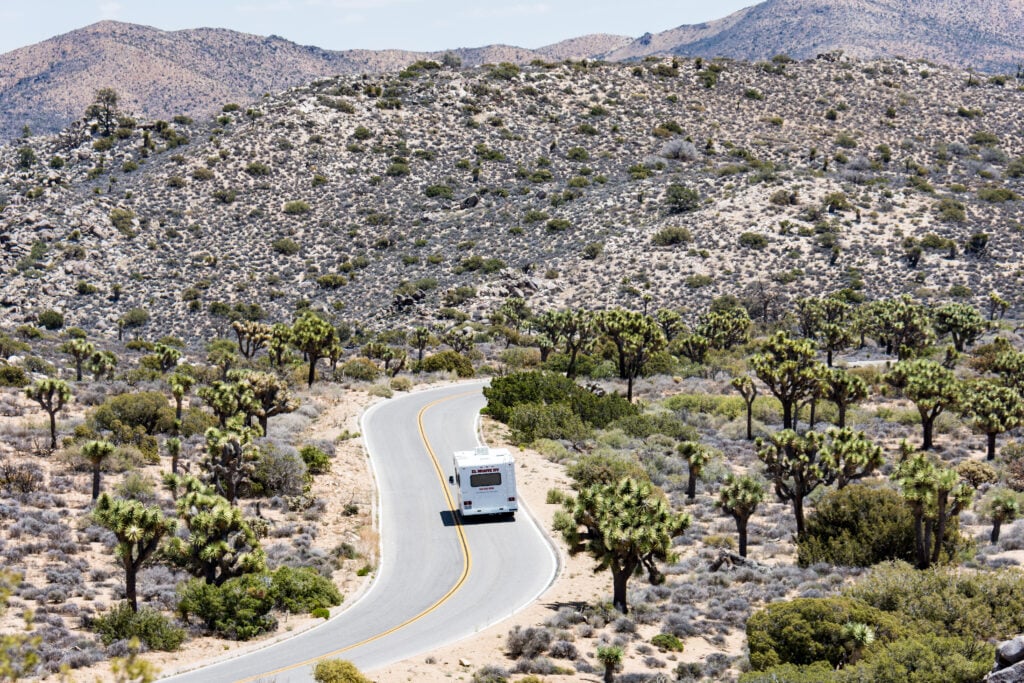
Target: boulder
x=1010 y=652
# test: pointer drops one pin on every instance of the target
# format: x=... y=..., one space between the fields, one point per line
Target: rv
x=485 y=479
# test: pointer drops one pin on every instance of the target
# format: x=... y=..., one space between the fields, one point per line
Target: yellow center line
x=467 y=560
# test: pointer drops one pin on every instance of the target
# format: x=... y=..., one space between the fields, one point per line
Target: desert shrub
x=549 y=388
x=285 y=246
x=302 y=590
x=296 y=207
x=643 y=426
x=530 y=642
x=146 y=409
x=682 y=199
x=12 y=376
x=337 y=671
x=672 y=235
x=753 y=240
x=808 y=630
x=442 y=191
x=362 y=369
x=448 y=361
x=50 y=319
x=20 y=477
x=667 y=642
x=532 y=421
x=605 y=469
x=401 y=384
x=981 y=605
x=858 y=526
x=317 y=462
x=239 y=609
x=148 y=625
x=490 y=674
x=279 y=471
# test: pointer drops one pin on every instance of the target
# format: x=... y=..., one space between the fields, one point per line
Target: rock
x=465 y=662
x=1014 y=674
x=1010 y=652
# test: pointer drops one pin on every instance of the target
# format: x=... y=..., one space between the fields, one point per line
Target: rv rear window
x=489 y=479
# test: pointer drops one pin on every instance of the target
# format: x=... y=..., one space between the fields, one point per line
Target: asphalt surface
x=439 y=580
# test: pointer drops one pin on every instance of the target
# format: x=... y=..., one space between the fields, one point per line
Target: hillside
x=987 y=34
x=383 y=200
x=192 y=72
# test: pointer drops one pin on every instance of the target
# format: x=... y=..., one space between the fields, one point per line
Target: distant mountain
x=984 y=34
x=194 y=72
x=163 y=73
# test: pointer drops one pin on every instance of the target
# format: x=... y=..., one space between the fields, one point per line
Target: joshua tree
x=96 y=452
x=787 y=366
x=935 y=494
x=745 y=385
x=792 y=464
x=931 y=387
x=220 y=543
x=739 y=497
x=636 y=337
x=626 y=526
x=80 y=350
x=1001 y=505
x=102 y=364
x=313 y=336
x=962 y=322
x=270 y=397
x=180 y=384
x=696 y=456
x=138 y=530
x=229 y=459
x=104 y=110
x=611 y=657
x=843 y=389
x=174 y=450
x=166 y=356
x=252 y=336
x=420 y=339
x=51 y=395
x=850 y=455
x=992 y=410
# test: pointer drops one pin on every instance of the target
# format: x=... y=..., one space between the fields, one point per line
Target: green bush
x=239 y=609
x=362 y=369
x=981 y=605
x=643 y=426
x=337 y=671
x=532 y=421
x=858 y=526
x=549 y=389
x=297 y=207
x=605 y=469
x=667 y=642
x=302 y=590
x=12 y=376
x=146 y=409
x=808 y=630
x=753 y=240
x=148 y=625
x=448 y=361
x=667 y=237
x=317 y=462
x=51 y=319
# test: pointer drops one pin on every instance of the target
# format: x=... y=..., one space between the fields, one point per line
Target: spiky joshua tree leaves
x=80 y=350
x=696 y=456
x=850 y=455
x=52 y=395
x=627 y=526
x=1000 y=506
x=962 y=322
x=745 y=385
x=788 y=368
x=739 y=497
x=636 y=337
x=314 y=336
x=992 y=410
x=931 y=387
x=844 y=389
x=138 y=529
x=793 y=465
x=935 y=494
x=220 y=543
x=96 y=452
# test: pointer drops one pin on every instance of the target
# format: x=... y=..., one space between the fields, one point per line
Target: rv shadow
x=450 y=518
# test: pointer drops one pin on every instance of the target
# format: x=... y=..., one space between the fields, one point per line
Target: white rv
x=485 y=479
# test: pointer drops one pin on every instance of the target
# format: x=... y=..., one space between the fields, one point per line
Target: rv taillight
x=467 y=503
x=511 y=499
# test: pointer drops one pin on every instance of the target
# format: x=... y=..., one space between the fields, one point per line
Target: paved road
x=438 y=581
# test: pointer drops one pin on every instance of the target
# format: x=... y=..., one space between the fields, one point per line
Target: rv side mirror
x=451 y=479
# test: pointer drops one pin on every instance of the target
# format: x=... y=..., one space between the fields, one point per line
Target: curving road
x=438 y=581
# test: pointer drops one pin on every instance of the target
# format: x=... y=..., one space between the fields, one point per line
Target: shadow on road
x=449 y=518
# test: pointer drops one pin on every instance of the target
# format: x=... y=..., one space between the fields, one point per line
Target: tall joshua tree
x=52 y=395
x=739 y=497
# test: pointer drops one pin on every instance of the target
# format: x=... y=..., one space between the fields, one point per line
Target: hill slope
x=384 y=200
x=984 y=34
